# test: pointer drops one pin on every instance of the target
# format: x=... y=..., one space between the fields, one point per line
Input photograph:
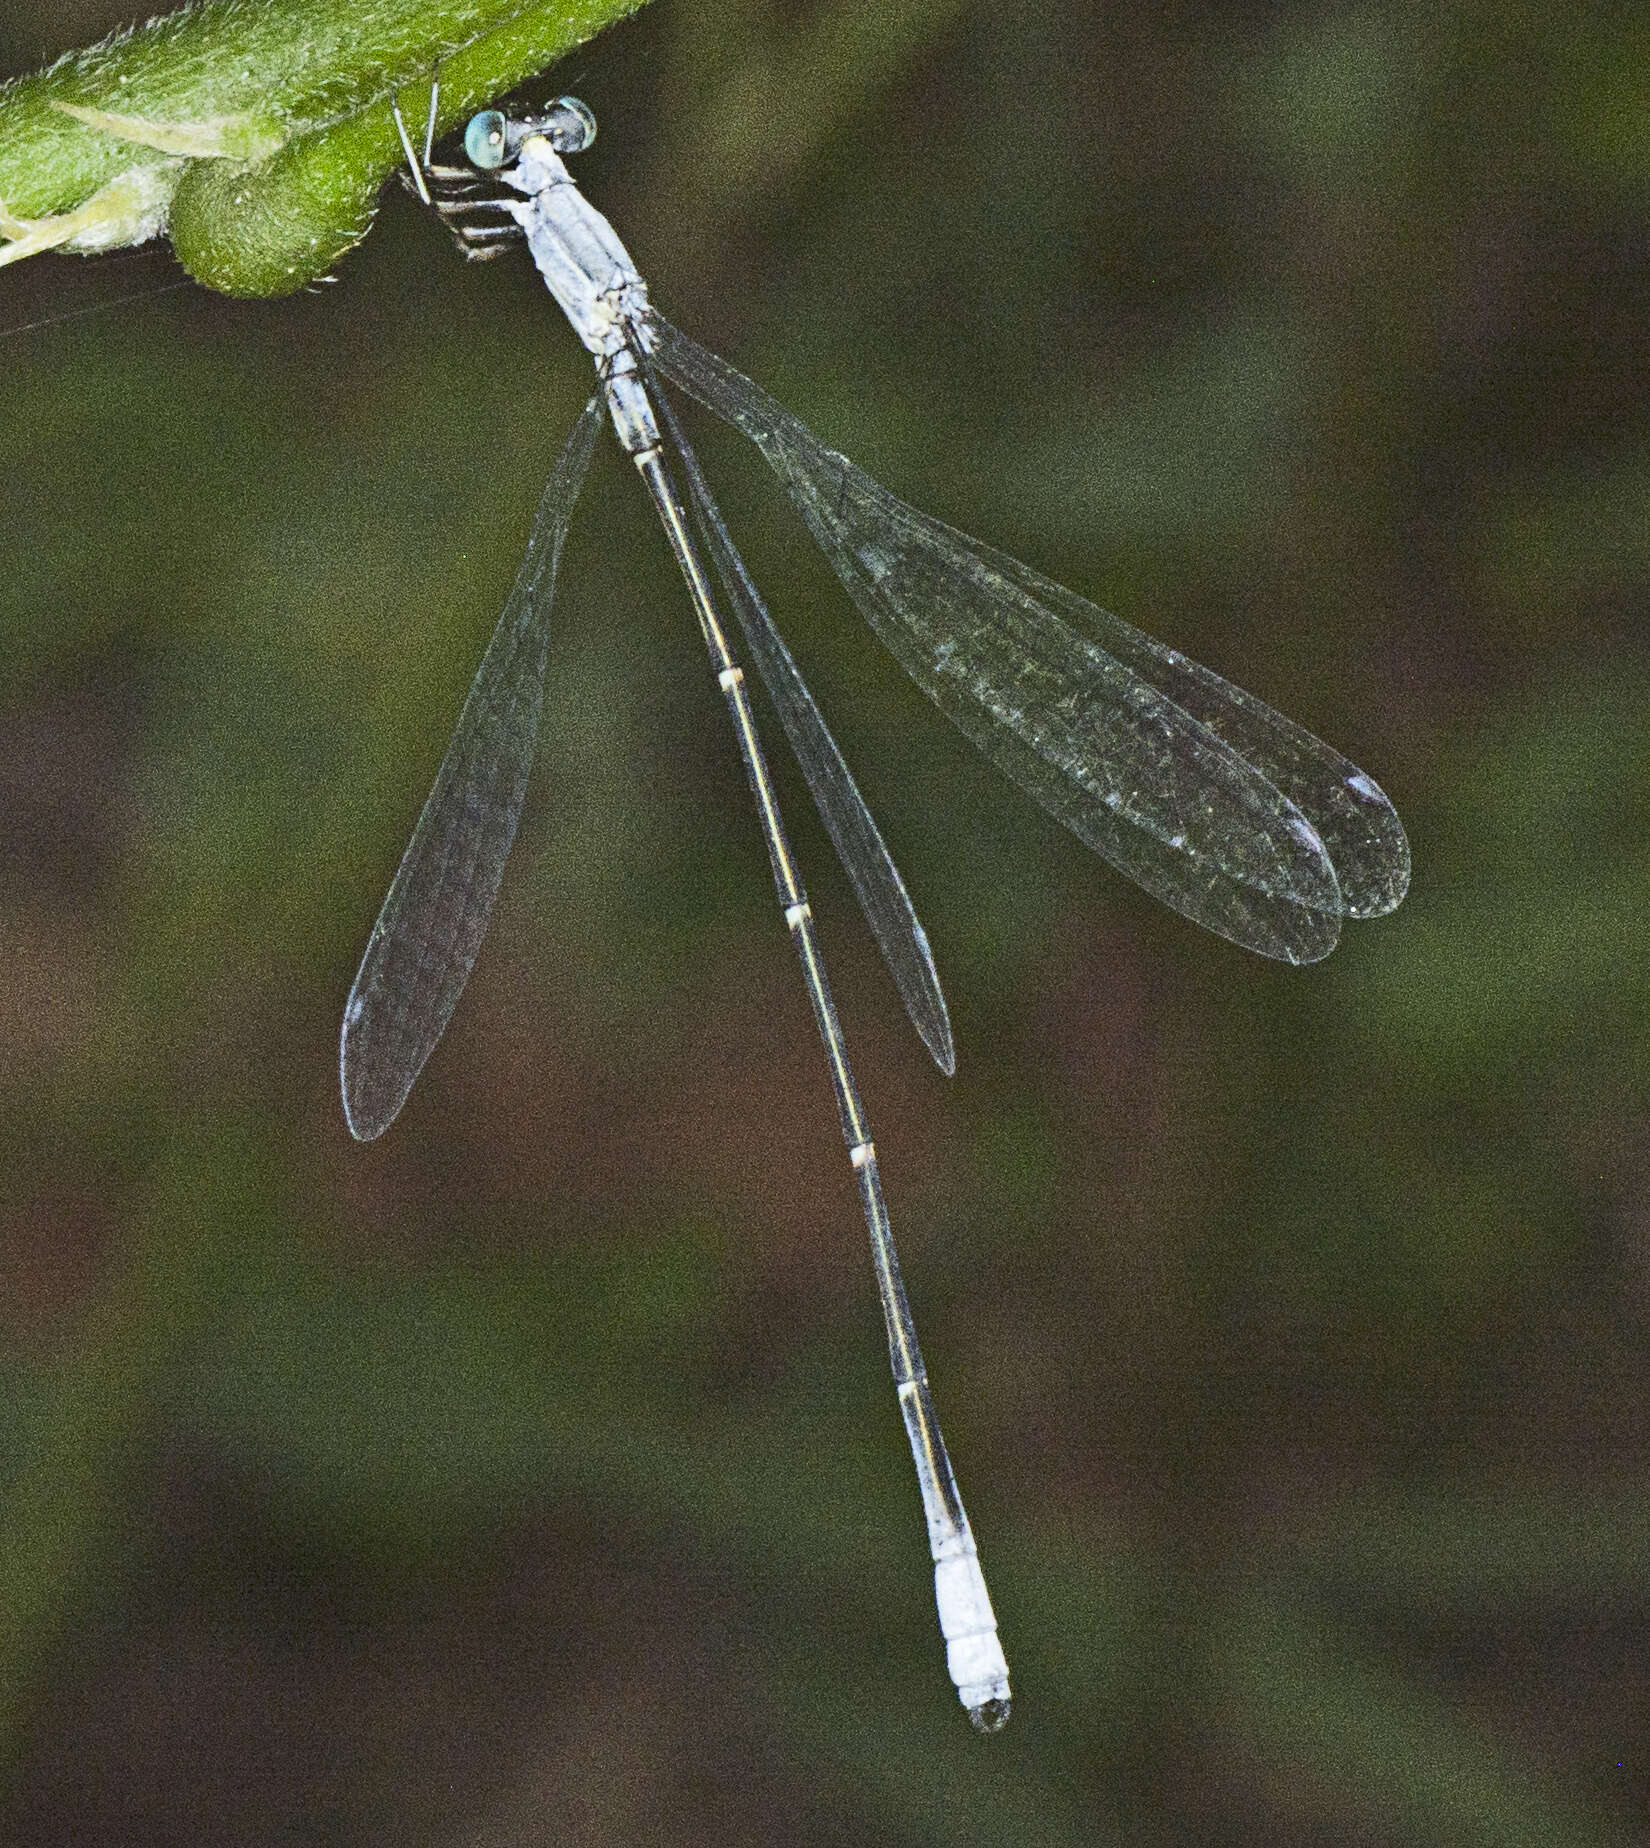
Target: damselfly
x=1208 y=798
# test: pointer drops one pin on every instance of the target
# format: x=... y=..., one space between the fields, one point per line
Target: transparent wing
x=1205 y=796
x=425 y=941
x=870 y=868
x=1356 y=822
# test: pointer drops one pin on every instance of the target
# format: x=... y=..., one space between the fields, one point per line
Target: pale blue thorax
x=596 y=284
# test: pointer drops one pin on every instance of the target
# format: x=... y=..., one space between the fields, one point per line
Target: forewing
x=431 y=926
x=1135 y=775
x=1355 y=820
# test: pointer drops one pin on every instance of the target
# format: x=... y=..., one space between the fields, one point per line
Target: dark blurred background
x=534 y=1474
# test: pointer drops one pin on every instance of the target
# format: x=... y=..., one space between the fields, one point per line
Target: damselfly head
x=492 y=139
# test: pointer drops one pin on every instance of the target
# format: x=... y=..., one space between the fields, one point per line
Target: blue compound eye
x=486 y=140
x=570 y=125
